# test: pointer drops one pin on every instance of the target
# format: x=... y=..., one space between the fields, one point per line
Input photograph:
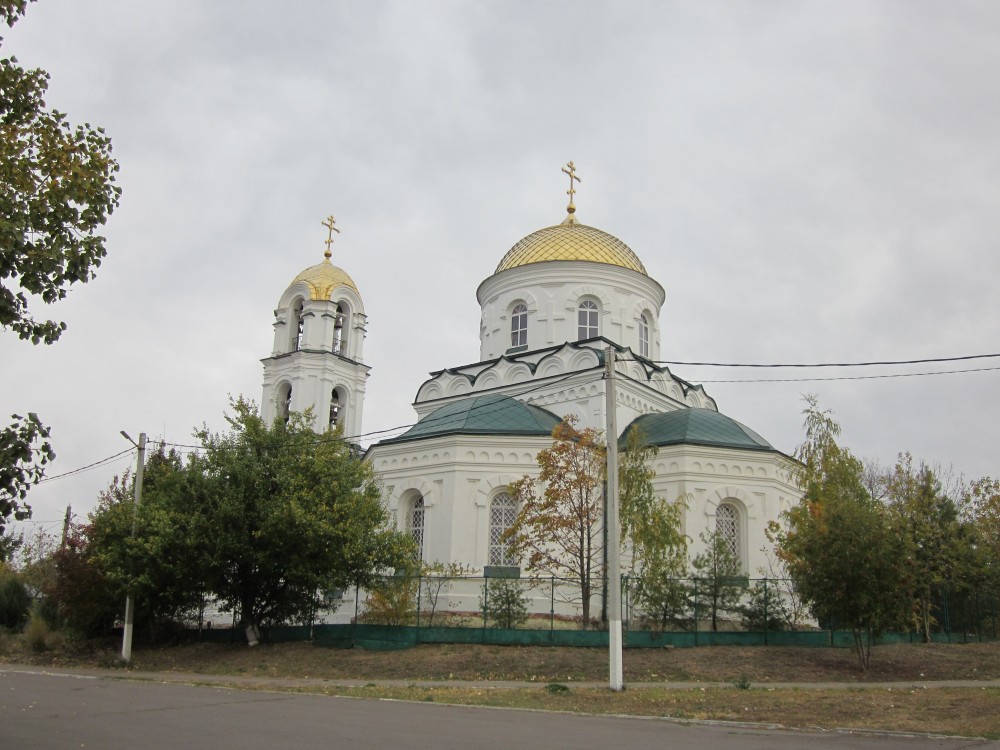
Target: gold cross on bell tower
x=329 y=224
x=570 y=169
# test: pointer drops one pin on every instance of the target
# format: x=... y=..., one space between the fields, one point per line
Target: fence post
x=695 y=611
x=993 y=613
x=420 y=586
x=947 y=612
x=965 y=619
x=552 y=604
x=765 y=610
x=979 y=630
x=628 y=601
x=486 y=603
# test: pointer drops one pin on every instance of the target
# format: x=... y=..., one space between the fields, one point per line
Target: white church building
x=555 y=301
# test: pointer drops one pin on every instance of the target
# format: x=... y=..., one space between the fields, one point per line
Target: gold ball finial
x=329 y=224
x=570 y=169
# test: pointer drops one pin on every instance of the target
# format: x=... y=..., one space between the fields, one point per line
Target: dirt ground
x=758 y=665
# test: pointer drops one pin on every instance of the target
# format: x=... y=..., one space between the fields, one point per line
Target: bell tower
x=316 y=361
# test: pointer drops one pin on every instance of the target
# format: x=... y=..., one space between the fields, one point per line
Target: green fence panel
x=389 y=637
x=287 y=633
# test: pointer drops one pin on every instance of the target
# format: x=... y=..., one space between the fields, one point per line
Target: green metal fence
x=410 y=610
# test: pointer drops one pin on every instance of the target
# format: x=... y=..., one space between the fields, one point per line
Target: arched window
x=284 y=401
x=727 y=526
x=586 y=320
x=340 y=330
x=643 y=335
x=503 y=511
x=519 y=326
x=335 y=408
x=415 y=524
x=297 y=326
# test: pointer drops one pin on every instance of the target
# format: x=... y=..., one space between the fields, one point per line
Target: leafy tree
x=264 y=519
x=780 y=580
x=846 y=560
x=286 y=514
x=716 y=572
x=927 y=520
x=876 y=479
x=10 y=543
x=981 y=507
x=57 y=190
x=765 y=607
x=438 y=578
x=34 y=559
x=651 y=527
x=392 y=600
x=503 y=603
x=157 y=551
x=24 y=453
x=560 y=530
x=82 y=596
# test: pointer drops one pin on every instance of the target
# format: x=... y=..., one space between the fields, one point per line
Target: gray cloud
x=809 y=182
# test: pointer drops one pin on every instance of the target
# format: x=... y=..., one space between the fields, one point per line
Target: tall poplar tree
x=927 y=521
x=846 y=559
x=651 y=530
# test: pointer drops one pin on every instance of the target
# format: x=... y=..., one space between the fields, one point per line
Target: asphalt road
x=51 y=710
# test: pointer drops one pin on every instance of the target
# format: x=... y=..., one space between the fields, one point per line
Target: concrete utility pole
x=614 y=533
x=140 y=465
x=66 y=520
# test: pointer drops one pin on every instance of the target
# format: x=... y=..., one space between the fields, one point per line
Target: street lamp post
x=140 y=465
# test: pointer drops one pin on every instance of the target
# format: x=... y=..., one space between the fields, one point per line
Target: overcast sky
x=809 y=181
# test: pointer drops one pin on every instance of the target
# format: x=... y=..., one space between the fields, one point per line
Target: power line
x=854 y=377
x=430 y=419
x=825 y=364
x=85 y=468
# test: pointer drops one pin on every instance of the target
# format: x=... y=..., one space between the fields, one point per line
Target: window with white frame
x=587 y=320
x=727 y=526
x=519 y=326
x=643 y=335
x=415 y=524
x=503 y=511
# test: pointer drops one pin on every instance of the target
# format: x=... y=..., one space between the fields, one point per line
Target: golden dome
x=323 y=278
x=571 y=241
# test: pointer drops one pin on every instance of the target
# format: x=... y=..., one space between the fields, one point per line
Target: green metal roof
x=697 y=427
x=482 y=415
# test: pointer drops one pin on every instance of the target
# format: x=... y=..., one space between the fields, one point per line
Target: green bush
x=503 y=603
x=393 y=600
x=14 y=600
x=36 y=633
x=765 y=608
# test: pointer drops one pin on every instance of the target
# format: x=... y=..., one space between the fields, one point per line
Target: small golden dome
x=571 y=241
x=323 y=278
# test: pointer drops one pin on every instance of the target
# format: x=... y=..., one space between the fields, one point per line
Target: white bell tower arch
x=316 y=361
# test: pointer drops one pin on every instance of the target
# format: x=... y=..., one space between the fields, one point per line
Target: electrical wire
x=854 y=377
x=85 y=468
x=430 y=419
x=828 y=364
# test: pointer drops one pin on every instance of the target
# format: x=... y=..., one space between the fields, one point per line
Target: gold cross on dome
x=329 y=224
x=570 y=169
